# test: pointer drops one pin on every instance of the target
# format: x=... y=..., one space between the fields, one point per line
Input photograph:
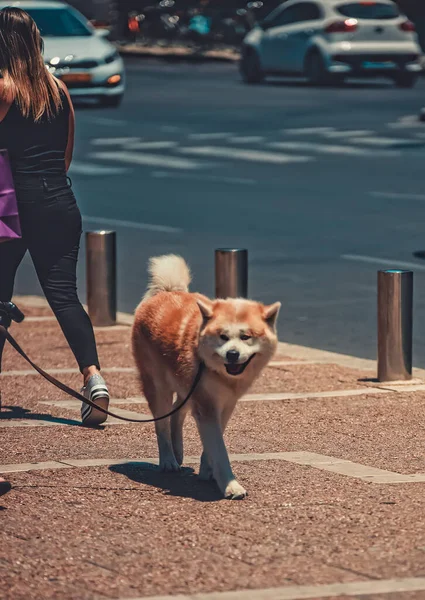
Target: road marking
x=106 y=121
x=386 y=142
x=329 y=149
x=150 y=145
x=307 y=130
x=194 y=177
x=132 y=225
x=79 y=168
x=210 y=136
x=116 y=141
x=344 y=134
x=397 y=196
x=405 y=122
x=304 y=592
x=249 y=155
x=330 y=464
x=374 y=260
x=253 y=139
x=150 y=160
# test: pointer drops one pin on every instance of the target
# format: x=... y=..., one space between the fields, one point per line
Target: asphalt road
x=323 y=186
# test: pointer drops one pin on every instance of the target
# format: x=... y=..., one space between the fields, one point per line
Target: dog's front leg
x=210 y=430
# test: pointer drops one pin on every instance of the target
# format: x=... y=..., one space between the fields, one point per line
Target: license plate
x=76 y=78
x=379 y=65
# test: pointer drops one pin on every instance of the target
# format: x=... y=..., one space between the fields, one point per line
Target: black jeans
x=51 y=231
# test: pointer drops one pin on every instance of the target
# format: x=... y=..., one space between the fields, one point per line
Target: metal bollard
x=101 y=277
x=231 y=273
x=395 y=325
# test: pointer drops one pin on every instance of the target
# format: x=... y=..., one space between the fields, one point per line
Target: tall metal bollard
x=231 y=273
x=101 y=277
x=395 y=325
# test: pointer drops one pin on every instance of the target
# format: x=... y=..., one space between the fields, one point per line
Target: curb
x=302 y=353
x=177 y=54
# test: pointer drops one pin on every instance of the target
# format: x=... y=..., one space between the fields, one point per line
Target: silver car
x=330 y=40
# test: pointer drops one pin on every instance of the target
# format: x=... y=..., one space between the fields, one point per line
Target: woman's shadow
x=184 y=484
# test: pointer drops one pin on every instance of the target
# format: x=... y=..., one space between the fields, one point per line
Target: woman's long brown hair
x=25 y=76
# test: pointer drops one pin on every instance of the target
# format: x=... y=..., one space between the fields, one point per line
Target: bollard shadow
x=18 y=412
x=368 y=380
x=181 y=485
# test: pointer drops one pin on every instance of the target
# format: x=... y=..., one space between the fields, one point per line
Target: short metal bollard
x=395 y=325
x=101 y=277
x=231 y=273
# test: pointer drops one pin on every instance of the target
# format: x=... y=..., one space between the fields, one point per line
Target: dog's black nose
x=232 y=356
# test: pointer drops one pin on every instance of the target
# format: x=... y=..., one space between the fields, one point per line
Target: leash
x=64 y=388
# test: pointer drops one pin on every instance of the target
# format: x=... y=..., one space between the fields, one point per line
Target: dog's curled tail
x=169 y=273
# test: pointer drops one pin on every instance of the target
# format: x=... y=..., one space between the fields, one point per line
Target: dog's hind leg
x=160 y=401
x=177 y=421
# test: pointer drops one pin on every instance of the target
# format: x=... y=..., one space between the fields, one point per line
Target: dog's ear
x=206 y=309
x=271 y=313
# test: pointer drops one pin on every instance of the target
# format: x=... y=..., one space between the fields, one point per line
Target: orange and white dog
x=174 y=331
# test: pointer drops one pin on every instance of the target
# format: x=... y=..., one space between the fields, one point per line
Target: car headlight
x=112 y=57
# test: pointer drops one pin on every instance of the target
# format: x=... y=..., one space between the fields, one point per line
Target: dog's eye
x=225 y=338
x=245 y=337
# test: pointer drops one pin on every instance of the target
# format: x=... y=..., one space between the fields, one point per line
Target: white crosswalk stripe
x=249 y=155
x=330 y=149
x=149 y=160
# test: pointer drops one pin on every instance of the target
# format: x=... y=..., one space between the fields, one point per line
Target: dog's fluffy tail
x=169 y=273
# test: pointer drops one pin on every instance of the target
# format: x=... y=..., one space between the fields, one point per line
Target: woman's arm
x=71 y=131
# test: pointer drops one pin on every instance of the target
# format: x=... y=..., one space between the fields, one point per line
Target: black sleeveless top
x=36 y=147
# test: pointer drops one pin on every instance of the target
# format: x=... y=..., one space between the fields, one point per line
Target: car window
x=58 y=22
x=305 y=11
x=369 y=10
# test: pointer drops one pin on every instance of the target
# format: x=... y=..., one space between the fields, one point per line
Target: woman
x=37 y=129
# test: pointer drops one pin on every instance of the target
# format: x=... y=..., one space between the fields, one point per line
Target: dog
x=173 y=332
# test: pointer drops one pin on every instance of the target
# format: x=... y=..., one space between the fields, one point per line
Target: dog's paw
x=169 y=465
x=234 y=491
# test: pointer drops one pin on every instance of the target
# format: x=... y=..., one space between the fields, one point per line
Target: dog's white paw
x=234 y=491
x=169 y=465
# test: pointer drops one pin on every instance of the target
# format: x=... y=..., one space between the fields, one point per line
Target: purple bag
x=10 y=227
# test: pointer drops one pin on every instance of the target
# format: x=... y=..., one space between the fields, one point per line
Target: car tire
x=250 y=67
x=315 y=70
x=111 y=101
x=405 y=80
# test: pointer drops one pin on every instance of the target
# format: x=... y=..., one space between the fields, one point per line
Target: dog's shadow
x=184 y=484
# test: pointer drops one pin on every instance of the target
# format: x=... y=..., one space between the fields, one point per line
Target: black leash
x=8 y=308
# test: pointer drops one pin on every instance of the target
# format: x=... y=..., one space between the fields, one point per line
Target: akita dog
x=173 y=332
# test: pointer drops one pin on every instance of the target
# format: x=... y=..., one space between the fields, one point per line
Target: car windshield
x=58 y=22
x=369 y=10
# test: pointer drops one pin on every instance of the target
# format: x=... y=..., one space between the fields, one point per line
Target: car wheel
x=315 y=69
x=250 y=67
x=111 y=101
x=405 y=80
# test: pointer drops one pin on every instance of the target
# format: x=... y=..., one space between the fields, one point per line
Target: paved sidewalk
x=333 y=462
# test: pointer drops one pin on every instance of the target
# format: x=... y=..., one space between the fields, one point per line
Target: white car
x=329 y=40
x=76 y=52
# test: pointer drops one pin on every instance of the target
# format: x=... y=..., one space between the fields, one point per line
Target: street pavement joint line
x=305 y=592
x=385 y=262
x=384 y=142
x=132 y=225
x=307 y=130
x=321 y=462
x=248 y=155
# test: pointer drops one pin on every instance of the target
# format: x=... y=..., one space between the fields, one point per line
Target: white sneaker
x=96 y=391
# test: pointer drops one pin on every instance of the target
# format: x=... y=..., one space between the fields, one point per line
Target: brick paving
x=336 y=486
